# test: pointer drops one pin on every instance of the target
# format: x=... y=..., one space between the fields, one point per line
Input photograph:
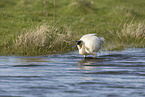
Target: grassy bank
x=27 y=27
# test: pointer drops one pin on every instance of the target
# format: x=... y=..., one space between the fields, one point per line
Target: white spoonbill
x=89 y=44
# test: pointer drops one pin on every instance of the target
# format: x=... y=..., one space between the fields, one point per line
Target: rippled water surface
x=112 y=74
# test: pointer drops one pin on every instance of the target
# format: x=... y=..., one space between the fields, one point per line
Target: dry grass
x=44 y=40
x=132 y=30
x=130 y=35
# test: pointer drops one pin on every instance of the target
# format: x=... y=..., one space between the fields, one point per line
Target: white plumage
x=90 y=44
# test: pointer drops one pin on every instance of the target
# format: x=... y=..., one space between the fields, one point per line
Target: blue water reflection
x=111 y=74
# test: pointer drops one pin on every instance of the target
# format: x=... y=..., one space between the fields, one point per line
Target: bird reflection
x=90 y=63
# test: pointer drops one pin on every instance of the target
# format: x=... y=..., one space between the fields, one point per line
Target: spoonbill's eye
x=79 y=42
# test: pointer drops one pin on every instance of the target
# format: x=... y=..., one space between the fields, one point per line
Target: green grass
x=26 y=26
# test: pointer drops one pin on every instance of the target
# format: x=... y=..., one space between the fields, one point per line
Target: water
x=112 y=74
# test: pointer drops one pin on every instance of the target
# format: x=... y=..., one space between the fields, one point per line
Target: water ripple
x=111 y=74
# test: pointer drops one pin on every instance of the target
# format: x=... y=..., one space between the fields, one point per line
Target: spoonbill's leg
x=95 y=55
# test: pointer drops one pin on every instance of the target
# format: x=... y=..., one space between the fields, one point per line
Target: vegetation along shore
x=42 y=27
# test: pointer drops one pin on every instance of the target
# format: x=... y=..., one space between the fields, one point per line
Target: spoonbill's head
x=79 y=44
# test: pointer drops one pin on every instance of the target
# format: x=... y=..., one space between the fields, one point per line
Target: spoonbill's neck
x=82 y=49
